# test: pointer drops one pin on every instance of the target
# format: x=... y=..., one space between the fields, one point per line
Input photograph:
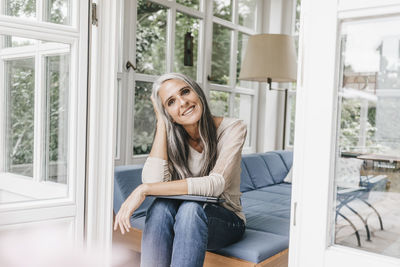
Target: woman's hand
x=156 y=110
x=135 y=199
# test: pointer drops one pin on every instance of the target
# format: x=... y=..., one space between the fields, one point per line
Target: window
x=173 y=36
x=228 y=96
x=37 y=129
x=368 y=139
x=54 y=11
x=36 y=109
x=291 y=101
x=167 y=40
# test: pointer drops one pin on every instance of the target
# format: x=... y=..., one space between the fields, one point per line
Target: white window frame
x=76 y=36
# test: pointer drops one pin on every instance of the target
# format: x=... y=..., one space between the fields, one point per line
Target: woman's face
x=181 y=102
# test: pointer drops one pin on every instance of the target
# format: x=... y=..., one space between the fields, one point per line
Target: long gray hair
x=178 y=138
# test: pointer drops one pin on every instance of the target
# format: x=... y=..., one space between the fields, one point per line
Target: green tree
x=20 y=116
x=151 y=38
x=21 y=8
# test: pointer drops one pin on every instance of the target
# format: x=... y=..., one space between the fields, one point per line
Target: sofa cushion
x=245 y=181
x=258 y=171
x=256 y=246
x=252 y=206
x=287 y=157
x=275 y=166
x=289 y=176
x=270 y=197
x=268 y=223
x=282 y=188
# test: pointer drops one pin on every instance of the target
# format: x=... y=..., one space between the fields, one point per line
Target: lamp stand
x=269 y=81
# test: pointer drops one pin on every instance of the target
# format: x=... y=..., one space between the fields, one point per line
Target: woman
x=193 y=153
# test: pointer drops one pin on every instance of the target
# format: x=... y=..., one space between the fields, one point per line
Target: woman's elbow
x=219 y=185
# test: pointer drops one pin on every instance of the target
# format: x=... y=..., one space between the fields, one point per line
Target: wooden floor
x=132 y=241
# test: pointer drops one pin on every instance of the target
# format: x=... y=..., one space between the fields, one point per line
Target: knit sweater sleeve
x=230 y=144
x=155 y=170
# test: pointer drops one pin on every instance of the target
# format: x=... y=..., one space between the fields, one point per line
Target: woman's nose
x=182 y=101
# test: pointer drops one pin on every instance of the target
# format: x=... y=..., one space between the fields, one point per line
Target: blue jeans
x=178 y=233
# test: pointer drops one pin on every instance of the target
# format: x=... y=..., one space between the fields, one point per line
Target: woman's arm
x=156 y=168
x=178 y=187
x=159 y=148
x=136 y=198
x=230 y=146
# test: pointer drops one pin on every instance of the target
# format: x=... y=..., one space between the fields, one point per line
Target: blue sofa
x=266 y=205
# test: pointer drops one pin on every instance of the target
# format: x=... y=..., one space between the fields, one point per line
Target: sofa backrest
x=264 y=169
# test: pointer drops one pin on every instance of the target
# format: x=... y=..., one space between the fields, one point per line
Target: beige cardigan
x=223 y=180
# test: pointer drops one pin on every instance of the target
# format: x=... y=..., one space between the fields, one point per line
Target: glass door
x=347 y=157
x=43 y=91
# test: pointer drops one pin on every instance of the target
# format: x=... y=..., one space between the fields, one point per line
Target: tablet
x=194 y=198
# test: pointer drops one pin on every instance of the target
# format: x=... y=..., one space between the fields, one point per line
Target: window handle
x=129 y=65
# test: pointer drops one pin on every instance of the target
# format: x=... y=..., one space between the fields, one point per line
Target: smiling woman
x=193 y=153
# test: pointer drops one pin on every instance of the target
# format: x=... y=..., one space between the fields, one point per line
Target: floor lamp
x=270 y=58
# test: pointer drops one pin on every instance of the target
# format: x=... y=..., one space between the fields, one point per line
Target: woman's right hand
x=156 y=111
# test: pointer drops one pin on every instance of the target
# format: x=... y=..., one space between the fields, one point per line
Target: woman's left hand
x=135 y=199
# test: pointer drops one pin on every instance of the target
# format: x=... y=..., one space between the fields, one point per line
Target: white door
x=43 y=107
x=346 y=191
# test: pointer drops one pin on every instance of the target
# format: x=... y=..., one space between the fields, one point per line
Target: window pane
x=58 y=11
x=292 y=114
x=14 y=41
x=144 y=119
x=242 y=44
x=297 y=19
x=151 y=38
x=186 y=44
x=220 y=60
x=20 y=8
x=223 y=9
x=247 y=13
x=57 y=76
x=20 y=95
x=36 y=121
x=368 y=164
x=219 y=103
x=190 y=3
x=242 y=110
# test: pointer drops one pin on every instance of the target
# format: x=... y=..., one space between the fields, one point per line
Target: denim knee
x=190 y=214
x=162 y=208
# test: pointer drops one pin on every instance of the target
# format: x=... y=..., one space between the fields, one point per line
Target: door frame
x=102 y=96
x=315 y=134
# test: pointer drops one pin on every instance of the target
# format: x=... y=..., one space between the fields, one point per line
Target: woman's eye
x=171 y=102
x=185 y=91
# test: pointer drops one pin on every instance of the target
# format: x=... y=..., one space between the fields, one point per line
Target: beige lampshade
x=269 y=56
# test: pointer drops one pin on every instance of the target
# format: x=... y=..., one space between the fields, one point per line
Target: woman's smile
x=188 y=111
